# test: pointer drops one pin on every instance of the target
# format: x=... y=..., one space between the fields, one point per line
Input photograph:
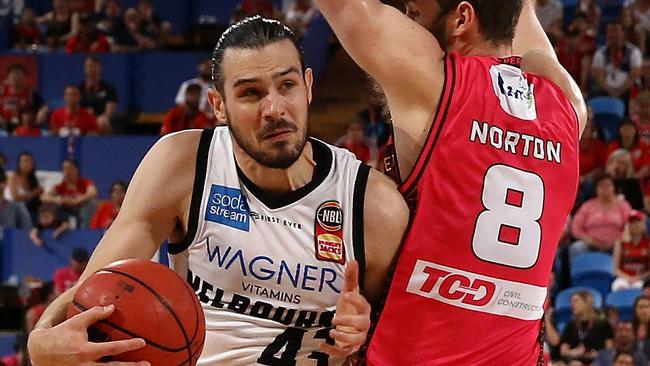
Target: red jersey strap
x=511 y=60
x=436 y=127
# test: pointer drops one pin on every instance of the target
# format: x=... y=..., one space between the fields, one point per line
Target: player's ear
x=309 y=81
x=216 y=101
x=465 y=19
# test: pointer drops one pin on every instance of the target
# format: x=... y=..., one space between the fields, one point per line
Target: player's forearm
x=529 y=34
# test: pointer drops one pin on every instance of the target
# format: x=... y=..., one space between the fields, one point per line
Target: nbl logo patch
x=328 y=233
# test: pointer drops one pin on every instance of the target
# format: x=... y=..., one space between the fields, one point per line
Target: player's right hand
x=67 y=343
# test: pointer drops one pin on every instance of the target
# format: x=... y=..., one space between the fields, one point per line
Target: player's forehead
x=259 y=63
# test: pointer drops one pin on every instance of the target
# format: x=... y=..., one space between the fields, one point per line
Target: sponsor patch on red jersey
x=328 y=233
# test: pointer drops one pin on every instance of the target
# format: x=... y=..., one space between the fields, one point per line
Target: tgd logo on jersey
x=430 y=280
x=477 y=292
x=227 y=206
x=328 y=233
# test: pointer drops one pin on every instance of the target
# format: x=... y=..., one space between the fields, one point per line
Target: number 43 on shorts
x=508 y=232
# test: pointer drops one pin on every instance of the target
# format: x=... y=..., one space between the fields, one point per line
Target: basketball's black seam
x=162 y=301
x=128 y=332
x=197 y=315
x=192 y=354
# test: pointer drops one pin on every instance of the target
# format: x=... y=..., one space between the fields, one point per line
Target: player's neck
x=278 y=180
x=485 y=49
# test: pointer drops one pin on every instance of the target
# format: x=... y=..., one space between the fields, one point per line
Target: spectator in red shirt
x=44 y=296
x=188 y=115
x=66 y=277
x=72 y=119
x=640 y=113
x=593 y=156
x=27 y=125
x=87 y=39
x=355 y=143
x=571 y=55
x=27 y=33
x=16 y=97
x=75 y=195
x=107 y=211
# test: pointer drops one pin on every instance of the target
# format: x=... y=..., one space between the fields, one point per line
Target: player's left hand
x=352 y=319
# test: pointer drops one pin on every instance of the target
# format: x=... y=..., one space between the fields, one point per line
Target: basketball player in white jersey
x=262 y=219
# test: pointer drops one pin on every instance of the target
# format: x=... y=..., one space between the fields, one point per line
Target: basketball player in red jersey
x=488 y=144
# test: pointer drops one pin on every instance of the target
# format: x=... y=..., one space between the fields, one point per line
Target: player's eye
x=250 y=93
x=288 y=84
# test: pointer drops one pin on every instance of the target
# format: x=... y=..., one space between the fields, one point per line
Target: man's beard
x=282 y=156
x=439 y=31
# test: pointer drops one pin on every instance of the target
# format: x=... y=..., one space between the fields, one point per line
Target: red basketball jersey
x=635 y=258
x=494 y=184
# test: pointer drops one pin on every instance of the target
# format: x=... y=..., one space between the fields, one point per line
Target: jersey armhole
x=436 y=127
x=197 y=193
x=358 y=205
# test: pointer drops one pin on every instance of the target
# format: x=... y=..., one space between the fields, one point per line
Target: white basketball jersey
x=268 y=271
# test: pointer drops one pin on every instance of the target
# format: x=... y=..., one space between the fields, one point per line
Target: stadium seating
x=593 y=270
x=608 y=114
x=563 y=313
x=623 y=301
x=7 y=343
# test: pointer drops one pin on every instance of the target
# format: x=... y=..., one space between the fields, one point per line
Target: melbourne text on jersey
x=516 y=143
x=211 y=295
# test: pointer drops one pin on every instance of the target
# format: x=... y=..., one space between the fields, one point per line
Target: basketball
x=151 y=302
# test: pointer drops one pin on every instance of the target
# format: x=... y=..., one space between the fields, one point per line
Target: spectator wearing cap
x=599 y=222
x=66 y=277
x=204 y=80
x=73 y=119
x=632 y=254
x=98 y=94
x=187 y=115
x=75 y=195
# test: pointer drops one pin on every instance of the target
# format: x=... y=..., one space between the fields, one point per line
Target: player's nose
x=273 y=106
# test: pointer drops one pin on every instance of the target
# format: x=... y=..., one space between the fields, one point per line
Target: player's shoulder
x=548 y=70
x=176 y=150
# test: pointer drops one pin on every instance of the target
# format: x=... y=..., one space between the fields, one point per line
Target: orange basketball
x=151 y=302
